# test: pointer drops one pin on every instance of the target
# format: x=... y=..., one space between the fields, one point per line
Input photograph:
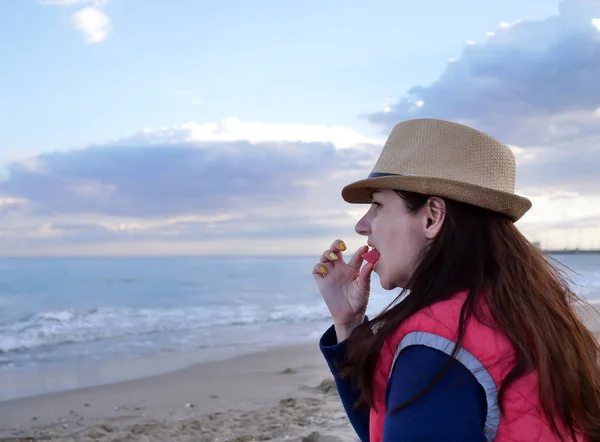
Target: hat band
x=380 y=174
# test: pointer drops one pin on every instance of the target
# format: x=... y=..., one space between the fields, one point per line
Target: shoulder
x=435 y=326
x=455 y=404
x=438 y=325
x=425 y=344
x=417 y=365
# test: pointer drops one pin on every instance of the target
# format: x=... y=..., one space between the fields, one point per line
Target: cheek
x=405 y=244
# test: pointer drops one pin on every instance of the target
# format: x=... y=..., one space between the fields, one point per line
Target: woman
x=483 y=342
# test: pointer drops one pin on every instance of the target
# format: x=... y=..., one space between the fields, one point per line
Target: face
x=399 y=235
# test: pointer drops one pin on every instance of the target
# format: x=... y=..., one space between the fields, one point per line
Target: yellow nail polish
x=323 y=269
x=333 y=255
x=342 y=246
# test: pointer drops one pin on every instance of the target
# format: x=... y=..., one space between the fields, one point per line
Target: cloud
x=531 y=84
x=231 y=179
x=250 y=187
x=159 y=180
x=91 y=21
x=234 y=129
x=226 y=187
x=251 y=224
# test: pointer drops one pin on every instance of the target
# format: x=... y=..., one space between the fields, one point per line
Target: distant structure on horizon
x=564 y=251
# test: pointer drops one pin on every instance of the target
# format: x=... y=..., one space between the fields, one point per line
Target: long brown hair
x=529 y=300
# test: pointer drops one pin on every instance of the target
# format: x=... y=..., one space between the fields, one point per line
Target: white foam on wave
x=59 y=327
x=72 y=326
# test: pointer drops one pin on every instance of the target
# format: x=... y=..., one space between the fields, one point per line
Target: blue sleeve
x=349 y=394
x=453 y=410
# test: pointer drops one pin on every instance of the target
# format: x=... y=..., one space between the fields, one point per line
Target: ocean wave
x=71 y=326
x=44 y=330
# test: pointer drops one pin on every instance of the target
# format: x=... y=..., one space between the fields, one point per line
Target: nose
x=363 y=226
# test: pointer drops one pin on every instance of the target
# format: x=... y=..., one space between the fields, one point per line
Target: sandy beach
x=280 y=394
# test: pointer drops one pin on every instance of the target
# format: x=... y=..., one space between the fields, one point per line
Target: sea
x=77 y=322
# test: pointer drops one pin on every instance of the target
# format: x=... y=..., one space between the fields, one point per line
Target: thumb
x=356 y=260
x=364 y=278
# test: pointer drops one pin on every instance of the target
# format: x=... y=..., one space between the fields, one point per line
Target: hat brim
x=509 y=204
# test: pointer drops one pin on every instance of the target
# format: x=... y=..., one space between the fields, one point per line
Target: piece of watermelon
x=371 y=256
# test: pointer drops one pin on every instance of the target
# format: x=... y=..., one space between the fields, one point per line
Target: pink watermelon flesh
x=371 y=256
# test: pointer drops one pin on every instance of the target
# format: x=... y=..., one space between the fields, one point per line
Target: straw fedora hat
x=445 y=159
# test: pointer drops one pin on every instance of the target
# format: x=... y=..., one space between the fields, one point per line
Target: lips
x=371 y=256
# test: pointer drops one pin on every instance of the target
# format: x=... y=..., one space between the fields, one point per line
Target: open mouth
x=371 y=256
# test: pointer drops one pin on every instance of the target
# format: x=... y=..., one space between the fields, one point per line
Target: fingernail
x=333 y=255
x=342 y=246
x=323 y=269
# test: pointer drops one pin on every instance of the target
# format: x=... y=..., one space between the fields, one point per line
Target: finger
x=357 y=259
x=334 y=252
x=364 y=278
x=330 y=255
x=321 y=269
x=338 y=245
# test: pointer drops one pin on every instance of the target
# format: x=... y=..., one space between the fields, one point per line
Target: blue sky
x=106 y=98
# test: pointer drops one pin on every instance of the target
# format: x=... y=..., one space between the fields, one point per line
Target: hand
x=345 y=287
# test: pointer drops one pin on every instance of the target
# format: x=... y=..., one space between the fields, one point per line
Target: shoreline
x=289 y=386
x=35 y=380
x=282 y=393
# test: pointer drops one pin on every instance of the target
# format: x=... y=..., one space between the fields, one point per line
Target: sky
x=188 y=127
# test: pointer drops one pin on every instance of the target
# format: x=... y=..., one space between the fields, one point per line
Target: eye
x=375 y=203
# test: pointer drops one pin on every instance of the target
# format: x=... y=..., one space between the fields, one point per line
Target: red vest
x=487 y=354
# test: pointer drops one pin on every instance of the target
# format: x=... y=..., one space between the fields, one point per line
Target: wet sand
x=281 y=394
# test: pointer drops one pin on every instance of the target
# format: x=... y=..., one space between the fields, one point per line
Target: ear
x=434 y=215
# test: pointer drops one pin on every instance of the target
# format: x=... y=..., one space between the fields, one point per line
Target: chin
x=387 y=280
x=386 y=284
